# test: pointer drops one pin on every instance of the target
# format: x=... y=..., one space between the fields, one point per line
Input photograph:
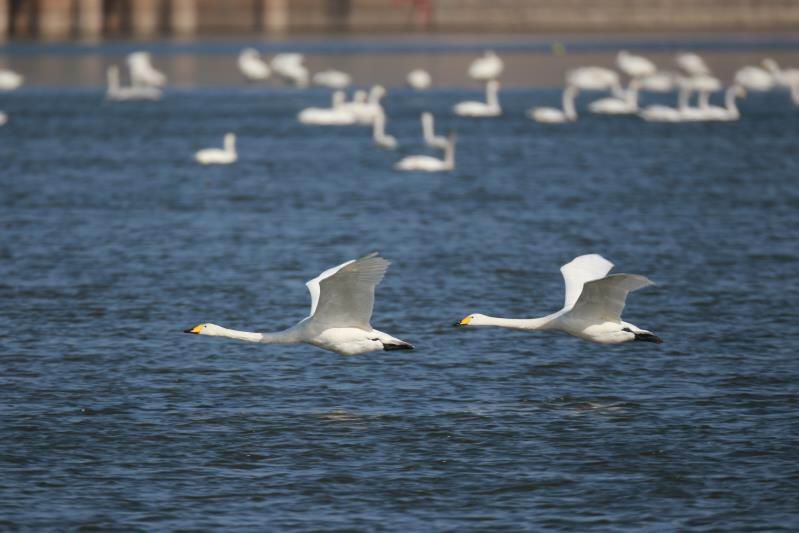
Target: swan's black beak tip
x=190 y=330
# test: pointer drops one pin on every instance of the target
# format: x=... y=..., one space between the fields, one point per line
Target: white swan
x=428 y=132
x=618 y=106
x=426 y=163
x=730 y=111
x=334 y=79
x=365 y=112
x=290 y=68
x=10 y=80
x=635 y=66
x=552 y=115
x=419 y=79
x=379 y=135
x=485 y=68
x=342 y=299
x=595 y=79
x=489 y=108
x=216 y=156
x=117 y=92
x=692 y=64
x=335 y=115
x=252 y=66
x=592 y=308
x=754 y=78
x=142 y=72
x=788 y=78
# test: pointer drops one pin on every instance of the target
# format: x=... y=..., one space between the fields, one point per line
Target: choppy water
x=114 y=241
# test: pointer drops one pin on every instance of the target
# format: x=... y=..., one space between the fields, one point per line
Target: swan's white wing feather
x=580 y=271
x=603 y=299
x=313 y=285
x=347 y=295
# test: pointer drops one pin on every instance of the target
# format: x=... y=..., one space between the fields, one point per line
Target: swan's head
x=475 y=319
x=771 y=65
x=204 y=329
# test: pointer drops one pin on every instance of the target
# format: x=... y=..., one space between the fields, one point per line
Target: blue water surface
x=113 y=241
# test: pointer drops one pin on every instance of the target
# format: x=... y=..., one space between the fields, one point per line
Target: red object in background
x=423 y=10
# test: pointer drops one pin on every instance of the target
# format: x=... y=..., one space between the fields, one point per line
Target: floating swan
x=419 y=79
x=216 y=156
x=335 y=115
x=252 y=66
x=489 y=108
x=365 y=112
x=142 y=72
x=428 y=132
x=552 y=115
x=426 y=163
x=662 y=113
x=10 y=80
x=485 y=68
x=618 y=106
x=692 y=64
x=334 y=79
x=117 y=92
x=342 y=299
x=754 y=78
x=379 y=132
x=730 y=111
x=595 y=79
x=290 y=68
x=592 y=308
x=635 y=66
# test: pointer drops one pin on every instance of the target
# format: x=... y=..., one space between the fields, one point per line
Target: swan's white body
x=618 y=106
x=365 y=112
x=342 y=299
x=486 y=68
x=379 y=135
x=552 y=115
x=336 y=115
x=217 y=156
x=754 y=79
x=635 y=66
x=419 y=79
x=291 y=69
x=592 y=306
x=729 y=112
x=117 y=92
x=489 y=108
x=692 y=64
x=10 y=80
x=426 y=163
x=334 y=79
x=252 y=65
x=595 y=79
x=142 y=72
x=428 y=132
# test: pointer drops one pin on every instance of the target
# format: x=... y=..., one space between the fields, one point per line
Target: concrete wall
x=63 y=19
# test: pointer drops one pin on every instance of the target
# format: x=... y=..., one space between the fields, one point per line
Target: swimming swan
x=10 y=80
x=729 y=112
x=119 y=93
x=142 y=71
x=618 y=106
x=489 y=108
x=426 y=163
x=216 y=156
x=592 y=308
x=335 y=115
x=252 y=66
x=551 y=115
x=342 y=299
x=428 y=132
x=379 y=135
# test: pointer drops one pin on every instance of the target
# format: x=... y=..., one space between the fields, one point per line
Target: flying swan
x=342 y=299
x=592 y=307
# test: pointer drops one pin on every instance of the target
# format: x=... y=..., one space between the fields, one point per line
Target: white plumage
x=217 y=156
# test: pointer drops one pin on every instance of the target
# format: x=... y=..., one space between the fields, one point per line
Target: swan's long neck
x=492 y=95
x=338 y=99
x=632 y=94
x=568 y=103
x=449 y=154
x=729 y=100
x=113 y=79
x=280 y=337
x=427 y=127
x=704 y=99
x=795 y=93
x=516 y=323
x=682 y=98
x=379 y=127
x=230 y=145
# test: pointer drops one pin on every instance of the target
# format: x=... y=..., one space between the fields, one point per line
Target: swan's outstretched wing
x=580 y=271
x=603 y=299
x=345 y=295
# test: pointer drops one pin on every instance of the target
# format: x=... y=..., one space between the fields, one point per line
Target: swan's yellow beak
x=464 y=322
x=196 y=330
